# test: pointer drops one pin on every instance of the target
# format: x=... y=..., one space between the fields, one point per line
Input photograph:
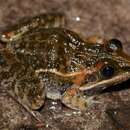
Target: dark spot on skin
x=2 y=44
x=114 y=45
x=64 y=87
x=107 y=71
x=2 y=60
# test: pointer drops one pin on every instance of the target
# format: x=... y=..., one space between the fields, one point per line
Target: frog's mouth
x=101 y=85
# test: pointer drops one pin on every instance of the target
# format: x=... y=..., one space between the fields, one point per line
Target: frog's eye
x=107 y=71
x=114 y=45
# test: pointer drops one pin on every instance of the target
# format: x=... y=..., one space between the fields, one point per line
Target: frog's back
x=43 y=43
x=51 y=48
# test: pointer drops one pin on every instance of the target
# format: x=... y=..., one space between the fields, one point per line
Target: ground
x=87 y=17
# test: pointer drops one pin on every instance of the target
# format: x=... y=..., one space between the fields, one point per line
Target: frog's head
x=111 y=65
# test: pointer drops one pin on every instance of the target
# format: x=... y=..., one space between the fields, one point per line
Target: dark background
x=107 y=18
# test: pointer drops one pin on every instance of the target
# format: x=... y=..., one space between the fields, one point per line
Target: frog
x=40 y=58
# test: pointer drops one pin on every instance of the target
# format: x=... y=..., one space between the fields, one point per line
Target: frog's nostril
x=92 y=78
x=127 y=68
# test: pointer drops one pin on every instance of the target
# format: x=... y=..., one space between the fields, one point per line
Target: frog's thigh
x=48 y=20
x=30 y=92
x=94 y=39
x=74 y=99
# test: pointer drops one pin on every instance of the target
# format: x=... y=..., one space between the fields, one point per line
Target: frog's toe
x=74 y=100
x=37 y=103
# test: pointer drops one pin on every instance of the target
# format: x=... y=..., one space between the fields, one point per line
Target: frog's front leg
x=74 y=98
x=77 y=99
x=49 y=20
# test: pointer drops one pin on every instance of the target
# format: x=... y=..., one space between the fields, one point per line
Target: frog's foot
x=33 y=102
x=30 y=93
x=96 y=40
x=74 y=99
x=48 y=20
x=34 y=114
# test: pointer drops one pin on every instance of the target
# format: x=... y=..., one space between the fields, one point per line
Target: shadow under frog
x=41 y=59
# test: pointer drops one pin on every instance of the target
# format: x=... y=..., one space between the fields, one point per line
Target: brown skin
x=55 y=62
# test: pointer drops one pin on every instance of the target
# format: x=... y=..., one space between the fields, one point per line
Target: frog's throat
x=108 y=82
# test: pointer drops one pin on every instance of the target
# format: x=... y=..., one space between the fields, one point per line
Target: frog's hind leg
x=28 y=91
x=49 y=20
x=36 y=116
